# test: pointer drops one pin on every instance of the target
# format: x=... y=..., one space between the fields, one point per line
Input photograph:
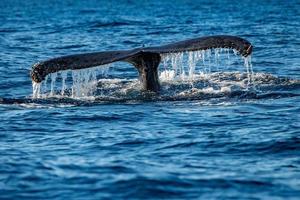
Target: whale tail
x=146 y=60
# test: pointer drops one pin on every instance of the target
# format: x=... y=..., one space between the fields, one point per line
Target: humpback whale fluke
x=145 y=60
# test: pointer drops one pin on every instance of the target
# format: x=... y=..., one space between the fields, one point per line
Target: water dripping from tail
x=207 y=71
x=64 y=76
x=36 y=90
x=250 y=72
x=184 y=66
x=75 y=84
x=53 y=81
x=204 y=69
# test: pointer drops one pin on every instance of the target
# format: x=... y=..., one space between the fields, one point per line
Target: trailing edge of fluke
x=145 y=60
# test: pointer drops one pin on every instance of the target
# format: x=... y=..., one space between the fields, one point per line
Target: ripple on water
x=209 y=135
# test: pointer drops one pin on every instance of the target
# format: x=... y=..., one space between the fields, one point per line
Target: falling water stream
x=176 y=67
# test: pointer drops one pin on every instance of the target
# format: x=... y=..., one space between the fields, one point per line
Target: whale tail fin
x=146 y=60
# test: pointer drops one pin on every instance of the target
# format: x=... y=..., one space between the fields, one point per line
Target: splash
x=64 y=76
x=176 y=61
x=187 y=65
x=53 y=81
x=75 y=84
x=249 y=68
x=36 y=90
x=204 y=71
x=214 y=86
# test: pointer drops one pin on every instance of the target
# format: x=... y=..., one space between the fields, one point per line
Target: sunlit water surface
x=222 y=127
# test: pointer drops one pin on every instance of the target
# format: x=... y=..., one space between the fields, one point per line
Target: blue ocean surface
x=220 y=133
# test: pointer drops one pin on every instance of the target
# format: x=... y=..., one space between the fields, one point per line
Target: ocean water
x=217 y=130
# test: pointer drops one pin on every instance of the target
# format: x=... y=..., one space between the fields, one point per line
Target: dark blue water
x=241 y=144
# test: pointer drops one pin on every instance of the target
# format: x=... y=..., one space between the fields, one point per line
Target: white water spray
x=249 y=68
x=77 y=83
x=53 y=81
x=208 y=66
x=36 y=90
x=64 y=76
